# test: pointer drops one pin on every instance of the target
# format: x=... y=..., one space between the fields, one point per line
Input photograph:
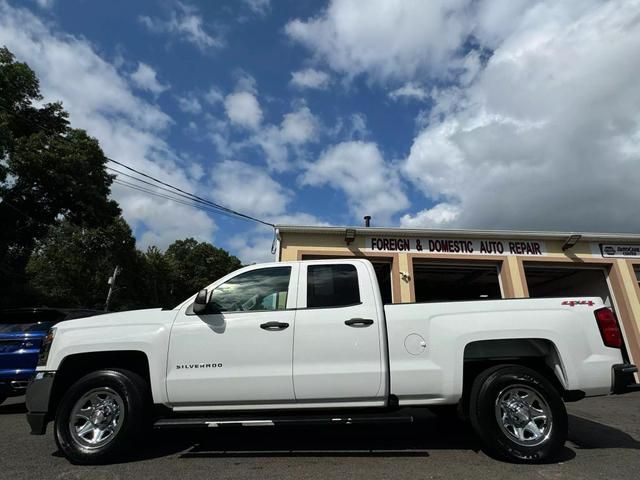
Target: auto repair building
x=449 y=265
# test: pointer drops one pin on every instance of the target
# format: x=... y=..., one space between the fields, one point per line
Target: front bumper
x=37 y=400
x=624 y=380
x=13 y=388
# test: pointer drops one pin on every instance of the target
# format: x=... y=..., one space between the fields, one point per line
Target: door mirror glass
x=200 y=303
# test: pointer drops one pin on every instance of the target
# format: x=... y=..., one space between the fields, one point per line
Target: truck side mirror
x=200 y=303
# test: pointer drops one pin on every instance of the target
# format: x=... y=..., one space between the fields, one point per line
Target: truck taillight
x=609 y=329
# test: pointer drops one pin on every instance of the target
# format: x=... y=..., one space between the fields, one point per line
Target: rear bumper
x=623 y=379
x=38 y=396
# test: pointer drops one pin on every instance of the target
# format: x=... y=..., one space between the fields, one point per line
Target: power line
x=215 y=207
x=168 y=197
x=208 y=202
x=191 y=201
x=156 y=187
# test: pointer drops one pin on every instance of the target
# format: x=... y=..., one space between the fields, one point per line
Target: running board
x=214 y=422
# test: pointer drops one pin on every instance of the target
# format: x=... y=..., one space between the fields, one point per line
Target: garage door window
x=443 y=283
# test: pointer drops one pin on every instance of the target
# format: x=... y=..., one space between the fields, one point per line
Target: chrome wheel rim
x=524 y=415
x=96 y=418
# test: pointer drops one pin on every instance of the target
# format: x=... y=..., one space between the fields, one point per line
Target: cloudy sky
x=448 y=113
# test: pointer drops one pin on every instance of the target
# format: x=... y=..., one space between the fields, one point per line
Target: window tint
x=332 y=286
x=263 y=289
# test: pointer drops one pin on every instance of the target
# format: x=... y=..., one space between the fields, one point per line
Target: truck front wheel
x=518 y=414
x=100 y=416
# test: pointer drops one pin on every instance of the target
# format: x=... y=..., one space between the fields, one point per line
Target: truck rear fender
x=538 y=353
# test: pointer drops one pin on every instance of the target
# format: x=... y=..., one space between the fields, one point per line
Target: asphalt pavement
x=604 y=443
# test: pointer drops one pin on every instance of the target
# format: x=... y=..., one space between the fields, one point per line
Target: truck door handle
x=272 y=326
x=358 y=322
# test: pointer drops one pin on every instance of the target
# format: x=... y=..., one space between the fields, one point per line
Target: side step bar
x=214 y=422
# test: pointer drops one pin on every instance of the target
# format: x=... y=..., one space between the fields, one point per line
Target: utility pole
x=112 y=283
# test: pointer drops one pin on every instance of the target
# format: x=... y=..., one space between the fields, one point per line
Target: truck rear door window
x=332 y=286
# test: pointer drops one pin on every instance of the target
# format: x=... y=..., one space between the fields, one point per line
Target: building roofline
x=502 y=234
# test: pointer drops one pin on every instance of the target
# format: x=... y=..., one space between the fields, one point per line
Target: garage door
x=560 y=281
x=437 y=282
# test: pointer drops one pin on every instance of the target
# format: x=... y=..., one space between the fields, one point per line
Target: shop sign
x=455 y=246
x=628 y=251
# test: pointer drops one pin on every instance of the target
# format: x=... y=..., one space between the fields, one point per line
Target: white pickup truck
x=312 y=342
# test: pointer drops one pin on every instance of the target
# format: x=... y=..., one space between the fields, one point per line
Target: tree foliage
x=71 y=265
x=61 y=235
x=195 y=264
x=48 y=172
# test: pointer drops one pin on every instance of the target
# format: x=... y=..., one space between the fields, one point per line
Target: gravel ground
x=604 y=443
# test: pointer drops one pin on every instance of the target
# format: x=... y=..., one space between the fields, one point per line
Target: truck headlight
x=46 y=347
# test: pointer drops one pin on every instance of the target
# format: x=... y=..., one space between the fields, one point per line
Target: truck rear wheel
x=100 y=416
x=518 y=414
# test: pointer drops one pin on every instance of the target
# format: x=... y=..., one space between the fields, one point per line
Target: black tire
x=132 y=391
x=499 y=436
x=2 y=398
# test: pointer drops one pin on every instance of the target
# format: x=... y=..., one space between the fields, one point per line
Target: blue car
x=21 y=333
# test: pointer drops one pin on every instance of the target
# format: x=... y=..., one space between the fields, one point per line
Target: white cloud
x=100 y=100
x=409 y=91
x=399 y=40
x=243 y=109
x=310 y=78
x=260 y=7
x=145 y=78
x=296 y=129
x=214 y=96
x=358 y=169
x=248 y=189
x=254 y=247
x=547 y=134
x=299 y=127
x=245 y=82
x=187 y=24
x=189 y=103
x=46 y=4
x=353 y=127
x=441 y=215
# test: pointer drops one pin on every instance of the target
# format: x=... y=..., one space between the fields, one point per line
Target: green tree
x=48 y=172
x=157 y=279
x=196 y=264
x=70 y=266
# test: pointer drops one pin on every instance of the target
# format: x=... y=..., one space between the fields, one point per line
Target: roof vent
x=367 y=220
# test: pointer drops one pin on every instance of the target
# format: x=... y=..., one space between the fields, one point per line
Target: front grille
x=10 y=345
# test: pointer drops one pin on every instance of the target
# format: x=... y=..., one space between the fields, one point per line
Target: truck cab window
x=332 y=286
x=258 y=290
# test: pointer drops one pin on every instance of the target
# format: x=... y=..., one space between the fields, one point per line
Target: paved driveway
x=604 y=444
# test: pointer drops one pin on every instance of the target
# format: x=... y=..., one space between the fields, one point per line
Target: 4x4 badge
x=573 y=303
